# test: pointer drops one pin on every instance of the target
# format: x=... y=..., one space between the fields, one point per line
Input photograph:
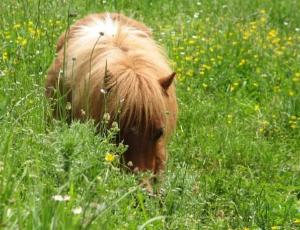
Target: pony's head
x=146 y=110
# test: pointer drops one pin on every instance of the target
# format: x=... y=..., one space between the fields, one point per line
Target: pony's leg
x=56 y=90
x=51 y=85
x=52 y=78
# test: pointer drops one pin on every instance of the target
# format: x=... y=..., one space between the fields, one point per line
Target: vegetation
x=234 y=161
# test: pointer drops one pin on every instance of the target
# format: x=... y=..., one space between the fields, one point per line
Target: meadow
x=234 y=160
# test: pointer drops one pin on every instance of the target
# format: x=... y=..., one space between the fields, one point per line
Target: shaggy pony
x=109 y=64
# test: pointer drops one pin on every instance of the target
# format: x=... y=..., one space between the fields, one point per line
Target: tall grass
x=234 y=160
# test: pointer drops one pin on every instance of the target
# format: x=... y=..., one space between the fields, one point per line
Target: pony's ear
x=165 y=82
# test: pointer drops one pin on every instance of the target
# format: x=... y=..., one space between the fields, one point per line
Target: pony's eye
x=158 y=133
x=134 y=131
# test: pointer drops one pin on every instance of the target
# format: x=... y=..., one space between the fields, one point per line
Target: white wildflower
x=106 y=117
x=115 y=125
x=9 y=212
x=129 y=163
x=68 y=106
x=2 y=74
x=61 y=198
x=103 y=91
x=1 y=166
x=77 y=210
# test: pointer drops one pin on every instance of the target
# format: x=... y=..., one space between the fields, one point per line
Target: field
x=234 y=161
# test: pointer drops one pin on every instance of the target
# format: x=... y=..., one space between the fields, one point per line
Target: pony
x=109 y=64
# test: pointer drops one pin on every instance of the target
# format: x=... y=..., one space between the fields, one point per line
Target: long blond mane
x=121 y=60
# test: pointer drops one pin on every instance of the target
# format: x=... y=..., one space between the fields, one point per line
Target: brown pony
x=108 y=63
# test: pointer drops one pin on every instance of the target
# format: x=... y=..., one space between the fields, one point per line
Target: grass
x=234 y=159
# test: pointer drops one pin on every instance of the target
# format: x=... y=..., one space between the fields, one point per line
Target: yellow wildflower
x=258 y=70
x=109 y=157
x=263 y=20
x=188 y=58
x=291 y=93
x=276 y=89
x=21 y=41
x=4 y=56
x=232 y=88
x=297 y=77
x=242 y=62
x=190 y=73
x=246 y=35
x=24 y=42
x=191 y=42
x=265 y=123
x=7 y=35
x=275 y=41
x=206 y=66
x=17 y=26
x=262 y=11
x=272 y=33
x=297 y=221
x=253 y=27
x=229 y=118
